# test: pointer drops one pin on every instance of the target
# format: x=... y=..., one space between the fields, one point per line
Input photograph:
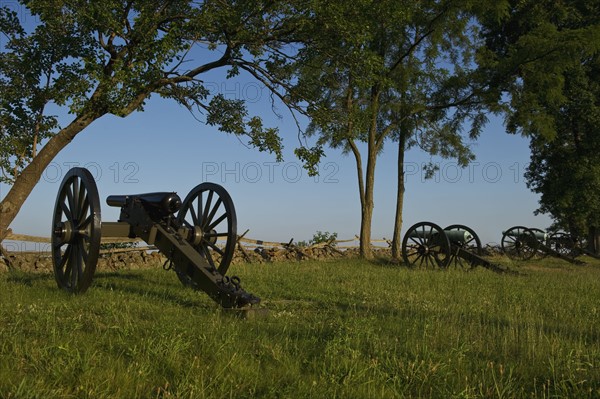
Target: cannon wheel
x=426 y=245
x=473 y=245
x=208 y=213
x=519 y=243
x=76 y=231
x=563 y=243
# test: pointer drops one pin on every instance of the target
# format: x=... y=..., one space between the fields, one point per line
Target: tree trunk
x=367 y=217
x=396 y=239
x=365 y=190
x=594 y=240
x=29 y=177
x=367 y=203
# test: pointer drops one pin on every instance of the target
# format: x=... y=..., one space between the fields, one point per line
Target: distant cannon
x=522 y=243
x=188 y=239
x=427 y=245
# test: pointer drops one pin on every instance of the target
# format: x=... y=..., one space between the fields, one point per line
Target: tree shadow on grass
x=147 y=288
x=27 y=278
x=387 y=262
x=126 y=282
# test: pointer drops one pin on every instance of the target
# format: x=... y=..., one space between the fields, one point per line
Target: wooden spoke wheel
x=208 y=215
x=519 y=243
x=76 y=231
x=563 y=243
x=426 y=245
x=472 y=243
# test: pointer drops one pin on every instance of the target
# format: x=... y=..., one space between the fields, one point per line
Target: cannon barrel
x=117 y=200
x=164 y=202
x=458 y=235
x=453 y=235
x=539 y=235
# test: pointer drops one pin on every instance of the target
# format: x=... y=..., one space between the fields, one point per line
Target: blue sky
x=164 y=148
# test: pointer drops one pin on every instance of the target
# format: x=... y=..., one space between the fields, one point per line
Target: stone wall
x=42 y=262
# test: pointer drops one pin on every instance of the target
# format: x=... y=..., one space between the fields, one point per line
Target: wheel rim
x=472 y=245
x=76 y=230
x=425 y=245
x=208 y=215
x=519 y=243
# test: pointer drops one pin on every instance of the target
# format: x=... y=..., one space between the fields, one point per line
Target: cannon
x=427 y=245
x=186 y=232
x=522 y=243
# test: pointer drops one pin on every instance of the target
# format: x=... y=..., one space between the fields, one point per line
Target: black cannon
x=522 y=243
x=427 y=245
x=186 y=232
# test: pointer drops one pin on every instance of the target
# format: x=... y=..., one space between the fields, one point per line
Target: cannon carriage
x=522 y=243
x=186 y=232
x=427 y=245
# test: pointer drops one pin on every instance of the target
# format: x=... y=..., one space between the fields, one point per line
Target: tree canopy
x=544 y=57
x=530 y=47
x=566 y=171
x=98 y=58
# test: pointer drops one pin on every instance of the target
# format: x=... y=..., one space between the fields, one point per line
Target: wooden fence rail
x=241 y=239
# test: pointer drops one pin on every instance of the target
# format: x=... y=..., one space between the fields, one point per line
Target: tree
x=530 y=46
x=544 y=60
x=98 y=58
x=566 y=170
x=379 y=70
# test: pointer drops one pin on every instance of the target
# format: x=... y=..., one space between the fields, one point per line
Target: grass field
x=343 y=329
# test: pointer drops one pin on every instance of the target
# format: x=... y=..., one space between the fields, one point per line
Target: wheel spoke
x=216 y=222
x=198 y=222
x=70 y=200
x=415 y=241
x=412 y=253
x=215 y=248
x=213 y=211
x=78 y=268
x=84 y=250
x=85 y=207
x=211 y=235
x=86 y=223
x=206 y=210
x=75 y=195
x=209 y=257
x=74 y=267
x=423 y=236
x=193 y=215
x=420 y=256
x=81 y=198
x=64 y=258
x=66 y=210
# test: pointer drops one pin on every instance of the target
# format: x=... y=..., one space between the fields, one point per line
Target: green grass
x=344 y=329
